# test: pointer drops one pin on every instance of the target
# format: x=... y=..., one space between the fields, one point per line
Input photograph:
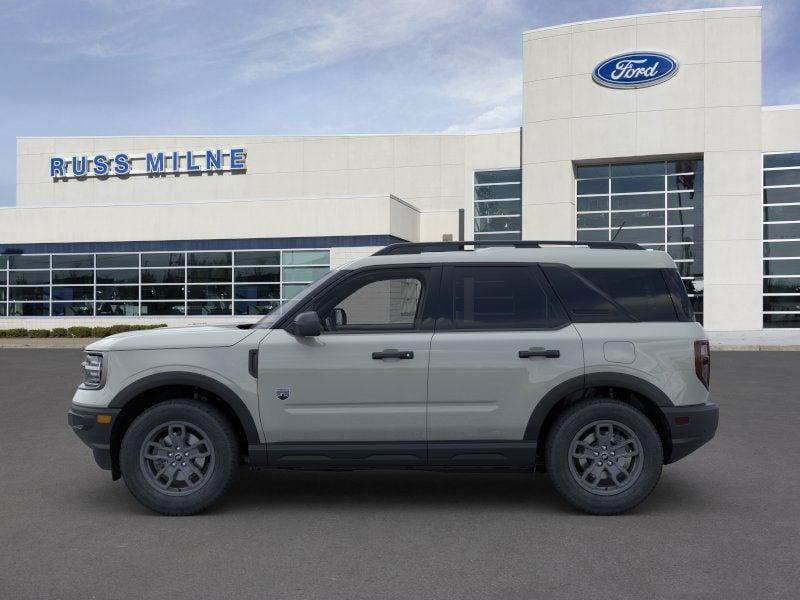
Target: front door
x=502 y=343
x=357 y=393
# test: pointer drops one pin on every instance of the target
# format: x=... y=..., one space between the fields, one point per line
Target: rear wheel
x=604 y=456
x=179 y=457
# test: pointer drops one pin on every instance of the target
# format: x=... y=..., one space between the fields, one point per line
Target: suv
x=579 y=358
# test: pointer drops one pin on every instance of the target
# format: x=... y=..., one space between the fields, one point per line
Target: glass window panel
x=643 y=236
x=492 y=192
x=73 y=309
x=685 y=200
x=2 y=310
x=3 y=261
x=788 y=177
x=593 y=220
x=2 y=294
x=209 y=292
x=680 y=234
x=782 y=267
x=591 y=171
x=306 y=257
x=209 y=259
x=28 y=309
x=637 y=219
x=162 y=292
x=257 y=274
x=684 y=166
x=118 y=276
x=782 y=303
x=593 y=235
x=292 y=289
x=162 y=308
x=116 y=261
x=209 y=275
x=511 y=236
x=593 y=186
x=27 y=261
x=208 y=308
x=782 y=160
x=684 y=217
x=777 y=321
x=2 y=278
x=681 y=251
x=782 y=195
x=789 y=285
x=637 y=201
x=117 y=309
x=683 y=182
x=73 y=277
x=651 y=168
x=781 y=249
x=29 y=293
x=637 y=184
x=163 y=275
x=121 y=292
x=782 y=231
x=256 y=292
x=642 y=292
x=253 y=308
x=163 y=259
x=73 y=261
x=29 y=277
x=71 y=292
x=307 y=274
x=483 y=209
x=257 y=258
x=493 y=224
x=500 y=176
x=782 y=213
x=593 y=203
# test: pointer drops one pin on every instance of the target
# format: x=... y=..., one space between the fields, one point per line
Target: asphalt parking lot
x=723 y=523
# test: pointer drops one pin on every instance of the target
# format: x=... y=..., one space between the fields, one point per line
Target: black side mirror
x=306 y=324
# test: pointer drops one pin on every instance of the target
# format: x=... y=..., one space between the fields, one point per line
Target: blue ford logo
x=635 y=70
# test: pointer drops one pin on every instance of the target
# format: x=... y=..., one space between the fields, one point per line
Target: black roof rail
x=420 y=247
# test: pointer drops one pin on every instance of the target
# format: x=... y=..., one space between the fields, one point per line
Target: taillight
x=702 y=361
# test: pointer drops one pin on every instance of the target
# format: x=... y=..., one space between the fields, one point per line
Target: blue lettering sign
x=176 y=162
x=635 y=70
x=56 y=167
x=121 y=164
x=237 y=159
x=190 y=166
x=213 y=160
x=155 y=162
x=79 y=166
x=100 y=165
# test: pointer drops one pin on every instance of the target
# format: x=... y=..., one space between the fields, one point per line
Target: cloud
x=497 y=117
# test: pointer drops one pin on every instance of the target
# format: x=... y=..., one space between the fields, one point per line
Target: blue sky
x=102 y=67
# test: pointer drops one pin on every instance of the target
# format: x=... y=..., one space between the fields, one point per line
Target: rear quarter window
x=641 y=292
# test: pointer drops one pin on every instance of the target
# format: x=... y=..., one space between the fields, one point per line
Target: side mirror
x=339 y=317
x=306 y=324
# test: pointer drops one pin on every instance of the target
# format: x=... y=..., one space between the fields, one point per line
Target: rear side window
x=585 y=302
x=642 y=292
x=680 y=299
x=495 y=297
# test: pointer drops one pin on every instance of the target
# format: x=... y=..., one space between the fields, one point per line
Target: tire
x=586 y=435
x=179 y=457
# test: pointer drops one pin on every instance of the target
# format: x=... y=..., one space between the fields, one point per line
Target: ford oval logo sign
x=635 y=70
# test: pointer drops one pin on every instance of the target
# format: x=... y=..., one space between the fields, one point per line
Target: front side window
x=489 y=297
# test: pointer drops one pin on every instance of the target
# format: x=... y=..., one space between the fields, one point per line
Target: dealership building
x=646 y=128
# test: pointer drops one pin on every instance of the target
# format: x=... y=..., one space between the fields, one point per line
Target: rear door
x=501 y=343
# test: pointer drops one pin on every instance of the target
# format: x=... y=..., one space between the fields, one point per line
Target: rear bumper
x=690 y=427
x=97 y=436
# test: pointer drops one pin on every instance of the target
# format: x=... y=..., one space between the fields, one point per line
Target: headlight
x=92 y=371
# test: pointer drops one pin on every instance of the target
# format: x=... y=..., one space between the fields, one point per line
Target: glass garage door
x=657 y=204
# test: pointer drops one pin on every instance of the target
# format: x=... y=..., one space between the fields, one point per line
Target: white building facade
x=678 y=156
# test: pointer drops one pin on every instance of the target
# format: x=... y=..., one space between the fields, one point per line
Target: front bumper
x=690 y=427
x=93 y=431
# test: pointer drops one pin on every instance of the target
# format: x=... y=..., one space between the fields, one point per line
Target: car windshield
x=269 y=320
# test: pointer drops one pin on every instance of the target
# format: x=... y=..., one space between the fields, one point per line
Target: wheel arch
x=154 y=389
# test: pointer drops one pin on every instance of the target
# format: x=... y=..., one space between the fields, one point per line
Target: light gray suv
x=581 y=359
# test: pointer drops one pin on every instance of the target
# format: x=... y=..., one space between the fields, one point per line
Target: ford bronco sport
x=579 y=358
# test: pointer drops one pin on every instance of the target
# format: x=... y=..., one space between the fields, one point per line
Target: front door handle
x=531 y=352
x=392 y=353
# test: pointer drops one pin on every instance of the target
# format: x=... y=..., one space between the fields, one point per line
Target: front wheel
x=604 y=456
x=179 y=457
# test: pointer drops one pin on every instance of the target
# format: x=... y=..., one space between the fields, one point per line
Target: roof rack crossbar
x=420 y=247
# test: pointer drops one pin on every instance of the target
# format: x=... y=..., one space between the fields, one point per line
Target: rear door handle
x=392 y=353
x=531 y=352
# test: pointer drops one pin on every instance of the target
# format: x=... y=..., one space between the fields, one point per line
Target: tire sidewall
x=558 y=456
x=221 y=436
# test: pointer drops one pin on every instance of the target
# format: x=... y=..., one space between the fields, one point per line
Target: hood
x=172 y=338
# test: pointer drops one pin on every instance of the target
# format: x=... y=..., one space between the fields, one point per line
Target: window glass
x=499 y=176
x=493 y=192
x=209 y=292
x=29 y=293
x=208 y=308
x=636 y=184
x=498 y=224
x=584 y=304
x=497 y=208
x=639 y=218
x=256 y=292
x=782 y=195
x=29 y=261
x=257 y=258
x=652 y=235
x=253 y=308
x=587 y=171
x=291 y=290
x=635 y=201
x=162 y=292
x=787 y=177
x=684 y=166
x=70 y=292
x=782 y=303
x=163 y=259
x=390 y=302
x=28 y=309
x=782 y=320
x=782 y=249
x=163 y=275
x=782 y=160
x=29 y=277
x=782 y=267
x=642 y=292
x=593 y=235
x=778 y=285
x=782 y=231
x=119 y=292
x=257 y=274
x=73 y=261
x=303 y=274
x=3 y=262
x=117 y=276
x=592 y=220
x=622 y=170
x=162 y=308
x=208 y=275
x=496 y=197
x=117 y=309
x=73 y=309
x=502 y=298
x=62 y=277
x=685 y=200
x=209 y=259
x=684 y=217
x=680 y=299
x=306 y=257
x=592 y=186
x=593 y=203
x=782 y=213
x=116 y=261
x=684 y=182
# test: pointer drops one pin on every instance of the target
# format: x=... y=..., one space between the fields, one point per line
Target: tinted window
x=386 y=302
x=585 y=304
x=642 y=292
x=502 y=298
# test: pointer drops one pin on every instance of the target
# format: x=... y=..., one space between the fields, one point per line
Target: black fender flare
x=590 y=380
x=205 y=382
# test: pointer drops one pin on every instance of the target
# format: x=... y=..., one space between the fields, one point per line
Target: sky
x=160 y=67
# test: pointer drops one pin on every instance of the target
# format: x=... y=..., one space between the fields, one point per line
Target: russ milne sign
x=635 y=70
x=151 y=163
